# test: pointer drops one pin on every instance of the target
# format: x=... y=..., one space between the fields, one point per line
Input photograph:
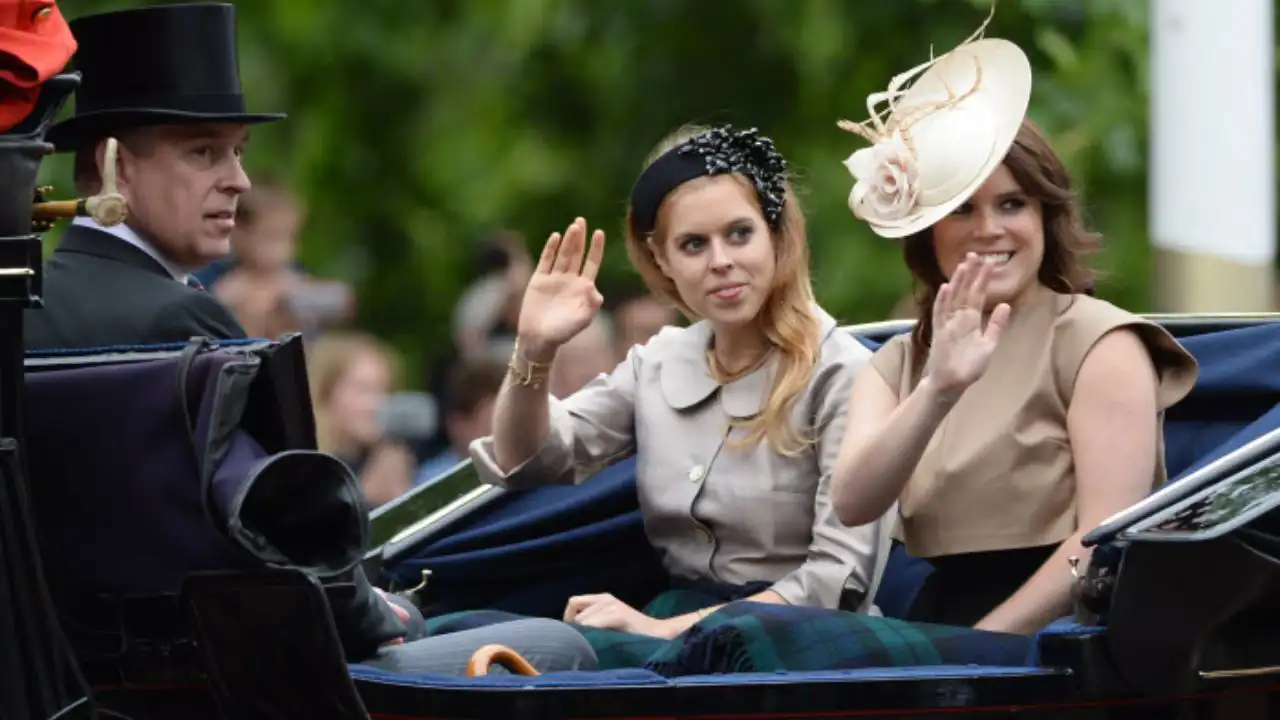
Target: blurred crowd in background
x=430 y=147
x=392 y=437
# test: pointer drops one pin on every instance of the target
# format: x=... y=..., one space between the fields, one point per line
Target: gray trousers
x=549 y=645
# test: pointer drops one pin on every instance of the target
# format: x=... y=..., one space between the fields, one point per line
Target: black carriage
x=173 y=541
x=1175 y=613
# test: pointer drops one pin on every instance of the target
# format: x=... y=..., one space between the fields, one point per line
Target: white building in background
x=1212 y=160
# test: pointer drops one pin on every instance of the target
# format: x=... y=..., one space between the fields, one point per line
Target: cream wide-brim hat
x=947 y=134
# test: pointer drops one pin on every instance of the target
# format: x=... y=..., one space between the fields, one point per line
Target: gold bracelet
x=527 y=372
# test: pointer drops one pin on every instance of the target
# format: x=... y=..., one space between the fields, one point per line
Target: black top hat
x=155 y=65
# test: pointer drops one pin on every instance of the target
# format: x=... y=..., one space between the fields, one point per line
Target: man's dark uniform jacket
x=100 y=290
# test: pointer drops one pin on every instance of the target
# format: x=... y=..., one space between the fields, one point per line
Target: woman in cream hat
x=1021 y=411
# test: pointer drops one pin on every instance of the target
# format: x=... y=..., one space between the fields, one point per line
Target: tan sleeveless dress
x=998 y=474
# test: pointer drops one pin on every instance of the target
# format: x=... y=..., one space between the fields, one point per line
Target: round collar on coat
x=686 y=381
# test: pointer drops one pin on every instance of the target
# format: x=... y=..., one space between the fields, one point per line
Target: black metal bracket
x=21 y=272
x=39 y=674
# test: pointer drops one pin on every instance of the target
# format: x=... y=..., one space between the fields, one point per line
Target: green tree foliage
x=415 y=127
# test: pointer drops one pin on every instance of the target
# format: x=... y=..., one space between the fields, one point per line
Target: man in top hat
x=164 y=81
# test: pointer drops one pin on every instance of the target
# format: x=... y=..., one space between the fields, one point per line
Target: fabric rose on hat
x=886 y=189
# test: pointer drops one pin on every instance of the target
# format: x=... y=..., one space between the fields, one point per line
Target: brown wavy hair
x=786 y=318
x=1042 y=175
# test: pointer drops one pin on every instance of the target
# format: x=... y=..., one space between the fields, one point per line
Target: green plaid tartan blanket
x=746 y=636
x=760 y=637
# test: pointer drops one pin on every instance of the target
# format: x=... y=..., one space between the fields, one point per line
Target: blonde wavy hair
x=786 y=318
x=329 y=357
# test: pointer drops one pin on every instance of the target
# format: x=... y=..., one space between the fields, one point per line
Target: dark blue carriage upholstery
x=529 y=551
x=519 y=553
x=1236 y=399
x=526 y=552
x=149 y=464
x=142 y=472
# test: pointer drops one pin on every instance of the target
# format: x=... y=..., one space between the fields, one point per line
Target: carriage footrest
x=269 y=644
x=130 y=639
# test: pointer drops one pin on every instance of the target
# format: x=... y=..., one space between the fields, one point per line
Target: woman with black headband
x=735 y=421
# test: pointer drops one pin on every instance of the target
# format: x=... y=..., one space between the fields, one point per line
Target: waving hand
x=962 y=346
x=561 y=299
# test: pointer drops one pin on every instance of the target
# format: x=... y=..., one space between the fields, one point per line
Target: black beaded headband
x=714 y=152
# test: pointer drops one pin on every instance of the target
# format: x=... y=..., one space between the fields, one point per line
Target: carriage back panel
x=149 y=464
x=117 y=481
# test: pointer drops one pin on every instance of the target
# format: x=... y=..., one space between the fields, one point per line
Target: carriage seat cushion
x=1233 y=399
x=1064 y=627
x=763 y=637
x=904 y=576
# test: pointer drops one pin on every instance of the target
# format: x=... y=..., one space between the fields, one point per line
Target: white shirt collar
x=129 y=235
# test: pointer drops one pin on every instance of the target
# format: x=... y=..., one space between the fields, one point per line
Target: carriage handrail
x=1258 y=485
x=1175 y=492
x=436 y=522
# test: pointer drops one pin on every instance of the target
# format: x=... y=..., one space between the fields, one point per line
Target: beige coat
x=713 y=510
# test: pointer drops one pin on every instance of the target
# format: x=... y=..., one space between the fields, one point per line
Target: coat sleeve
x=839 y=556
x=364 y=620
x=586 y=432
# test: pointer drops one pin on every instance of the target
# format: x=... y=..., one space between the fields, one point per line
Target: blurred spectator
x=352 y=375
x=263 y=284
x=639 y=317
x=468 y=412
x=484 y=320
x=414 y=419
x=580 y=360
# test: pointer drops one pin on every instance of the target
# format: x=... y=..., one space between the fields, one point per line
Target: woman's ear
x=658 y=256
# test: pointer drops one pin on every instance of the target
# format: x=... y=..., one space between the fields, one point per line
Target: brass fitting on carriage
x=1090 y=592
x=414 y=593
